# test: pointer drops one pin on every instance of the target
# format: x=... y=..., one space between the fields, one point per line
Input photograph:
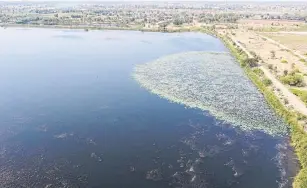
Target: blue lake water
x=71 y=115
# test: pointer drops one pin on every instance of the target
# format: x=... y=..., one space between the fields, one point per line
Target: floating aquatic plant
x=214 y=82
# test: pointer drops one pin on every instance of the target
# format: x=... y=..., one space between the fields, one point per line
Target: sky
x=176 y=0
x=170 y=0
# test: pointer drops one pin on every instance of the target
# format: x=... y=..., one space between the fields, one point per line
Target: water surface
x=71 y=115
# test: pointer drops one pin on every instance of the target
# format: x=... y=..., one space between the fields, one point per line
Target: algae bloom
x=213 y=82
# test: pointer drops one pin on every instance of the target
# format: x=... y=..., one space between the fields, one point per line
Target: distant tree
x=162 y=26
x=178 y=21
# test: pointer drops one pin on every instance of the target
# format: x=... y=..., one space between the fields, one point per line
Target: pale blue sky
x=171 y=0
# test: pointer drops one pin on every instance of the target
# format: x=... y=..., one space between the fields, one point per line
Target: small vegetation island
x=268 y=40
x=177 y=77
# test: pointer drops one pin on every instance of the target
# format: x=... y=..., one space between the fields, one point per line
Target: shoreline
x=297 y=135
x=89 y=28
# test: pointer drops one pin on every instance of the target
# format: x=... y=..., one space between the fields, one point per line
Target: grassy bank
x=298 y=135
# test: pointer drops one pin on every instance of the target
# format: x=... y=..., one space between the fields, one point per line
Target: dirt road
x=293 y=100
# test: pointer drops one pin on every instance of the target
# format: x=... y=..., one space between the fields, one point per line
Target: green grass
x=301 y=94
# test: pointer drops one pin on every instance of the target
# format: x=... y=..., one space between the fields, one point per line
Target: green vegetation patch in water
x=214 y=82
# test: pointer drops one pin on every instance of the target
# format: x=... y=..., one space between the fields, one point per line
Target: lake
x=71 y=115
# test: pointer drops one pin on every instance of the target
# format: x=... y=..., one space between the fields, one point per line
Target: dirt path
x=293 y=100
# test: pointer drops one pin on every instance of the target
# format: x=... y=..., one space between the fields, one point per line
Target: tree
x=177 y=21
x=162 y=26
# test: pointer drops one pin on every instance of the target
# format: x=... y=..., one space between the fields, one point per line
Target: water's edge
x=297 y=134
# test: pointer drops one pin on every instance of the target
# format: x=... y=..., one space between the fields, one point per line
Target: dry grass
x=272 y=25
x=294 y=41
x=268 y=22
x=263 y=48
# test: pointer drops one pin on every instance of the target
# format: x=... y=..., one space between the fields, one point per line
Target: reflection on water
x=72 y=116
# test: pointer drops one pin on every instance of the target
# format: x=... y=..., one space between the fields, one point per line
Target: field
x=277 y=58
x=273 y=25
x=295 y=40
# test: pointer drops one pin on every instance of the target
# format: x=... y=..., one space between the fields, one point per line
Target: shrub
x=251 y=62
x=258 y=71
x=267 y=82
x=303 y=60
x=270 y=66
x=285 y=72
x=273 y=54
x=293 y=79
x=301 y=94
x=284 y=61
x=243 y=64
x=296 y=70
x=301 y=117
x=292 y=65
x=253 y=53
